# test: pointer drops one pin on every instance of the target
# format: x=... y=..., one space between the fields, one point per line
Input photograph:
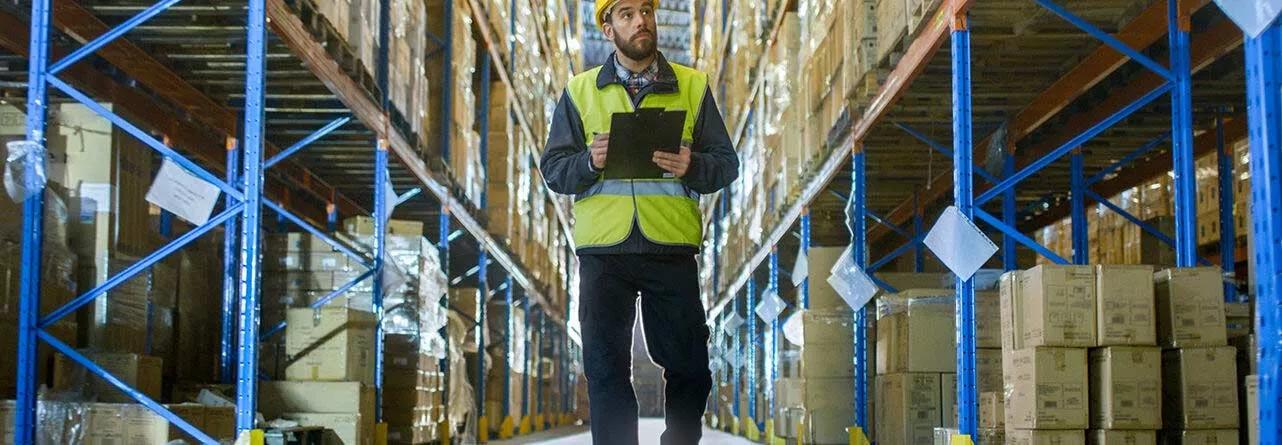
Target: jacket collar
x=667 y=78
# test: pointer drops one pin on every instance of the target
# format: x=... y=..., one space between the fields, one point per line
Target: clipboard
x=635 y=136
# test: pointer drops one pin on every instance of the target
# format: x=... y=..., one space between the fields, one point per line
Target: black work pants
x=676 y=335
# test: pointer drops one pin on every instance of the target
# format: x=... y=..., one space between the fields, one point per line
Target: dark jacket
x=567 y=164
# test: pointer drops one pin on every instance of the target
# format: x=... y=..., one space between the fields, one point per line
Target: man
x=639 y=236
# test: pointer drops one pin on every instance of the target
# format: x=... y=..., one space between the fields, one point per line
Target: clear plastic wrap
x=928 y=299
x=24 y=157
x=462 y=399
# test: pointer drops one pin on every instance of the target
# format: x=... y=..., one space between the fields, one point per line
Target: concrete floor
x=650 y=430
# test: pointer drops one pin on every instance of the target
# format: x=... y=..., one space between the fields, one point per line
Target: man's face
x=632 y=27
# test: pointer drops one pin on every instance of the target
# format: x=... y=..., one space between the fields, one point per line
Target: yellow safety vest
x=665 y=209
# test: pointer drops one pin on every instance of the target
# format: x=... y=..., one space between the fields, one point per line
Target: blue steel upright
x=1228 y=230
x=251 y=219
x=1264 y=109
x=1077 y=201
x=772 y=359
x=919 y=249
x=751 y=319
x=1010 y=257
x=1185 y=182
x=443 y=249
x=967 y=403
x=859 y=250
x=804 y=291
x=32 y=230
x=737 y=365
x=482 y=294
x=381 y=214
x=227 y=343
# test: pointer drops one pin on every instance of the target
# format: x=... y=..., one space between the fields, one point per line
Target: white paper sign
x=959 y=244
x=733 y=323
x=389 y=198
x=95 y=197
x=800 y=268
x=854 y=286
x=770 y=307
x=183 y=194
x=792 y=330
x=1253 y=16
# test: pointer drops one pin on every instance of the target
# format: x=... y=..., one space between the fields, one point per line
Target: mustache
x=644 y=32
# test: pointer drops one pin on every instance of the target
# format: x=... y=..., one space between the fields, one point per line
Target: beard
x=637 y=50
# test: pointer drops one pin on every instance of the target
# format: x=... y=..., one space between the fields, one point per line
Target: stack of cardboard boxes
x=329 y=351
x=820 y=392
x=1048 y=322
x=1127 y=353
x=1199 y=369
x=1125 y=368
x=916 y=362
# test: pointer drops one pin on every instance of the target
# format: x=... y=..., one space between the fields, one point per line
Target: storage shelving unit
x=1038 y=86
x=271 y=62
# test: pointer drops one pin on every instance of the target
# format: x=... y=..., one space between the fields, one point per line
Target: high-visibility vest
x=665 y=209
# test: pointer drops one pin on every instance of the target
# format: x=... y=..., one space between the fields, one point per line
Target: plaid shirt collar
x=634 y=82
x=660 y=78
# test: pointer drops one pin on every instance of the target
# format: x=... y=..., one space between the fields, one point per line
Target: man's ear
x=608 y=30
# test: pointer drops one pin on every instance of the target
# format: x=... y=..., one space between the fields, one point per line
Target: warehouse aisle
x=650 y=430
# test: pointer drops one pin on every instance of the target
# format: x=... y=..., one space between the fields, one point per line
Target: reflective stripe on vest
x=665 y=209
x=639 y=188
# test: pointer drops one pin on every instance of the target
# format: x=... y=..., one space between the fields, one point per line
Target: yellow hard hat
x=604 y=5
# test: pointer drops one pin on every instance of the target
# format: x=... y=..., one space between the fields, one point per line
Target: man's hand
x=600 y=146
x=677 y=163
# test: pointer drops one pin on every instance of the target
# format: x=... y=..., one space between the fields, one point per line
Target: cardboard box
x=992 y=435
x=90 y=423
x=988 y=319
x=989 y=364
x=1047 y=388
x=299 y=281
x=1049 y=305
x=912 y=280
x=822 y=296
x=1200 y=437
x=297 y=242
x=948 y=399
x=917 y=338
x=1190 y=307
x=908 y=407
x=828 y=338
x=364 y=225
x=139 y=371
x=1238 y=318
x=220 y=422
x=829 y=407
x=1121 y=437
x=1045 y=437
x=351 y=428
x=1126 y=389
x=330 y=344
x=992 y=412
x=1125 y=307
x=1199 y=388
x=1252 y=384
x=277 y=398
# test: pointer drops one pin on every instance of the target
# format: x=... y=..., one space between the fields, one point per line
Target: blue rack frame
x=242 y=219
x=1178 y=84
x=1264 y=110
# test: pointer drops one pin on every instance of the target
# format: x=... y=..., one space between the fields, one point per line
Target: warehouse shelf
x=1045 y=87
x=337 y=117
x=914 y=61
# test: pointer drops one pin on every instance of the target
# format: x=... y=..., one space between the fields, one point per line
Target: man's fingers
x=668 y=165
x=666 y=155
